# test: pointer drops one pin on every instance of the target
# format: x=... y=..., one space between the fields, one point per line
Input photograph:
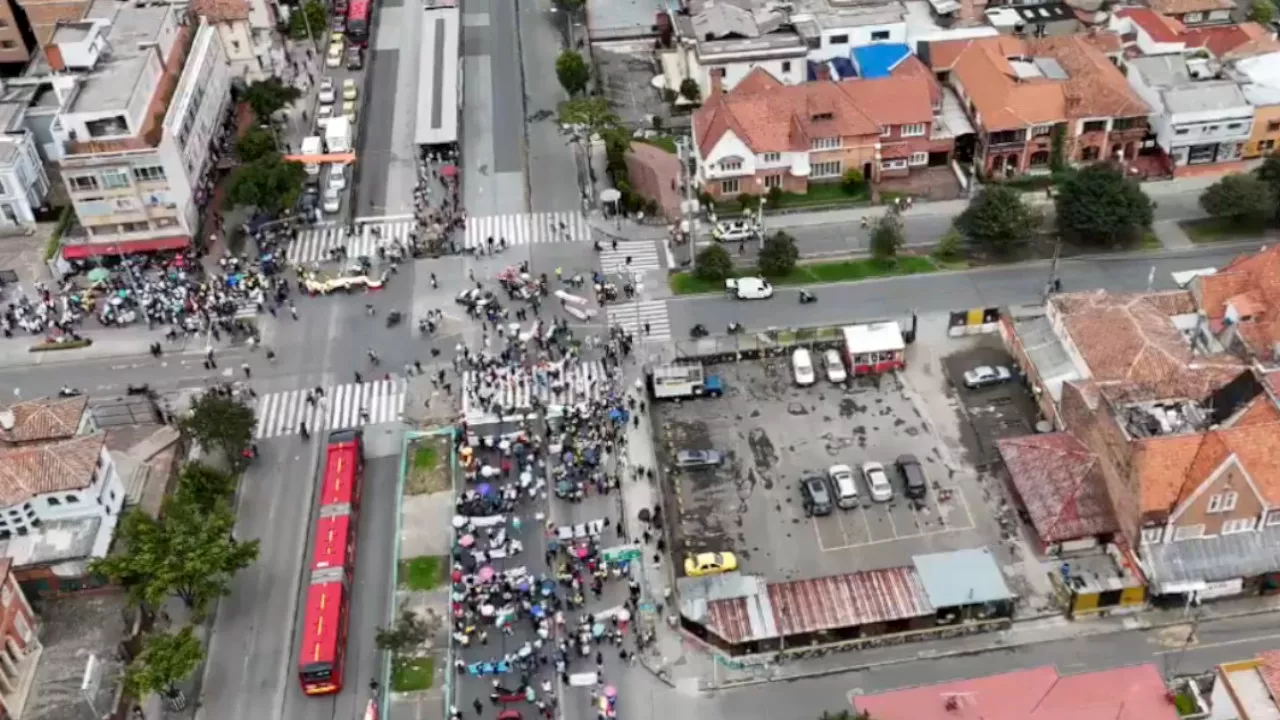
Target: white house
x=24 y=185
x=247 y=31
x=1198 y=119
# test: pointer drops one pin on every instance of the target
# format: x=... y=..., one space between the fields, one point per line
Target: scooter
x=734 y=328
x=68 y=391
x=807 y=297
x=698 y=331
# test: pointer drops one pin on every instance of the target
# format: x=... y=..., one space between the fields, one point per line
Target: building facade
x=1199 y=118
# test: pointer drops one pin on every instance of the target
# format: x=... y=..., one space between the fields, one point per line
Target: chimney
x=54 y=56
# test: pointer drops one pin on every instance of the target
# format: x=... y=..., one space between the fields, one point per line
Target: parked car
x=912 y=476
x=693 y=459
x=734 y=230
x=846 y=488
x=323 y=113
x=985 y=375
x=815 y=496
x=332 y=200
x=309 y=200
x=349 y=110
x=877 y=481
x=349 y=89
x=710 y=563
x=338 y=24
x=749 y=288
x=338 y=176
x=836 y=372
x=355 y=58
x=334 y=58
x=326 y=93
x=802 y=366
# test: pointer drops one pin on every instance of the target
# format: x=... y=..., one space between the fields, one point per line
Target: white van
x=749 y=288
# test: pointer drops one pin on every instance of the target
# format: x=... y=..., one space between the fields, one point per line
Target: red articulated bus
x=324 y=632
x=358 y=22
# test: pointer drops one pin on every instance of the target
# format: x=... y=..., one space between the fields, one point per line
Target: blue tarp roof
x=877 y=61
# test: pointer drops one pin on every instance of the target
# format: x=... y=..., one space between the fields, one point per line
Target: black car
x=816 y=496
x=310 y=198
x=355 y=58
x=912 y=476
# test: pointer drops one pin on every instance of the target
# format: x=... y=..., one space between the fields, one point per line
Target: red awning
x=126 y=247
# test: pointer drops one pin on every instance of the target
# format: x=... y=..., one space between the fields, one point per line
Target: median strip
x=816 y=273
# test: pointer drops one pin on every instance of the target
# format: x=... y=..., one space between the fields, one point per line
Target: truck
x=311 y=146
x=673 y=382
x=337 y=135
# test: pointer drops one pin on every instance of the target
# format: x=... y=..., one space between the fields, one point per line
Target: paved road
x=895 y=298
x=552 y=164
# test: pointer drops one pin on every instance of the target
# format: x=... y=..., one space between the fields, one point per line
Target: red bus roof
x=332 y=542
x=341 y=473
x=358 y=9
x=325 y=603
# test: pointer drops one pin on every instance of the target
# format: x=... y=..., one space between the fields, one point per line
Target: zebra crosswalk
x=642 y=253
x=314 y=244
x=515 y=393
x=282 y=413
x=632 y=316
x=527 y=228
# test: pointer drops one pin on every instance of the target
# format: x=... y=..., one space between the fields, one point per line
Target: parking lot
x=773 y=433
x=993 y=412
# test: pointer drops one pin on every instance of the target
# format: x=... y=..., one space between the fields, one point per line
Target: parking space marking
x=855 y=546
x=871 y=540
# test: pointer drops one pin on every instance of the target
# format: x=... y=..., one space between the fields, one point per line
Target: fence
x=756 y=344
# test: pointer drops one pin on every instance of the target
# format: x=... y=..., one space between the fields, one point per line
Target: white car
x=835 y=367
x=843 y=485
x=326 y=94
x=332 y=200
x=986 y=375
x=337 y=176
x=877 y=481
x=749 y=288
x=349 y=110
x=334 y=58
x=349 y=89
x=734 y=230
x=802 y=366
x=324 y=113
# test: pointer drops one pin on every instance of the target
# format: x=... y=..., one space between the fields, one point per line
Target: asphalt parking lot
x=992 y=412
x=772 y=433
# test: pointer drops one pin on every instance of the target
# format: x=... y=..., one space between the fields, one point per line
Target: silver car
x=985 y=375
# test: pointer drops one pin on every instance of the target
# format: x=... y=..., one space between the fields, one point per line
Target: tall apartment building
x=142 y=93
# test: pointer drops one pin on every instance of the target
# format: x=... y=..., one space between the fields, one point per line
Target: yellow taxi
x=710 y=563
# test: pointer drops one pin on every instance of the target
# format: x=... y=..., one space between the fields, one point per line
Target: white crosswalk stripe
x=314 y=244
x=282 y=413
x=528 y=228
x=512 y=395
x=643 y=253
x=631 y=316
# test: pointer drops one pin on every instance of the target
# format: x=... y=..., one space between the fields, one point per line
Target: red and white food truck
x=873 y=348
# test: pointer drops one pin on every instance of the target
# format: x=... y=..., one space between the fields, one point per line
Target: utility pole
x=689 y=208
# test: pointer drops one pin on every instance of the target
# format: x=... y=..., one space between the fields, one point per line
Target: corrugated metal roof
x=1215 y=559
x=962 y=577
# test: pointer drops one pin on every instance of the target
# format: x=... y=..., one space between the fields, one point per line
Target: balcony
x=1006 y=139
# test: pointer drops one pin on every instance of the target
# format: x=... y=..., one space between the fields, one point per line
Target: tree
x=1269 y=173
x=267 y=97
x=409 y=633
x=778 y=255
x=256 y=144
x=269 y=183
x=852 y=181
x=205 y=487
x=1098 y=205
x=166 y=660
x=584 y=117
x=690 y=90
x=219 y=422
x=713 y=263
x=949 y=246
x=1262 y=12
x=887 y=236
x=573 y=72
x=314 y=19
x=1239 y=199
x=998 y=219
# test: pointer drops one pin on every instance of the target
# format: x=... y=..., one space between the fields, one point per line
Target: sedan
x=835 y=367
x=878 y=481
x=349 y=110
x=734 y=230
x=710 y=563
x=698 y=458
x=985 y=375
x=334 y=58
x=349 y=89
x=802 y=366
x=326 y=95
x=332 y=200
x=355 y=58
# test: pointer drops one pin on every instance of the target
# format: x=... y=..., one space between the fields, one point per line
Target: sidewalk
x=109 y=343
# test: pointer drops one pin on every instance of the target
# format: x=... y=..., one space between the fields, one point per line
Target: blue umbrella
x=484 y=489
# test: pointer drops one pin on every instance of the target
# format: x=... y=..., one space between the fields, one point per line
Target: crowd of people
x=437 y=199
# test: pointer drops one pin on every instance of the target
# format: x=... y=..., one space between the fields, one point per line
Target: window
x=1273 y=518
x=786 y=66
x=826 y=169
x=1090 y=153
x=730 y=165
x=827 y=143
x=1039 y=159
x=134 y=227
x=1152 y=535
x=1267 y=146
x=912 y=130
x=728 y=187
x=72 y=499
x=1095 y=126
x=887 y=131
x=771 y=157
x=1182 y=131
x=1188 y=532
x=4 y=23
x=1223 y=502
x=54 y=501
x=899 y=164
x=1237 y=525
x=772 y=181
x=1273 y=126
x=8 y=44
x=879 y=35
x=115 y=179
x=838 y=40
x=151 y=173
x=24 y=629
x=1235 y=126
x=1124 y=124
x=717 y=73
x=1211 y=128
x=83 y=182
x=920 y=158
x=235 y=46
x=1042 y=131
x=1193 y=17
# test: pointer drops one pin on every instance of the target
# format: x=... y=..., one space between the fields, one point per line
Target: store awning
x=81 y=251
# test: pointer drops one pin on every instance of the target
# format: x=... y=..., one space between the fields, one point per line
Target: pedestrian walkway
x=632 y=316
x=631 y=256
x=528 y=228
x=314 y=244
x=585 y=381
x=282 y=413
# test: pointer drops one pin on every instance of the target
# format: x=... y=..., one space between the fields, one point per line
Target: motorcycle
x=143 y=389
x=807 y=297
x=68 y=391
x=698 y=331
x=393 y=318
x=734 y=328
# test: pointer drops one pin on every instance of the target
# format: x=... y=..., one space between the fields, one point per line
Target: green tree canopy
x=166 y=660
x=1262 y=12
x=887 y=237
x=270 y=183
x=690 y=90
x=586 y=116
x=998 y=219
x=713 y=263
x=1098 y=205
x=256 y=144
x=222 y=423
x=204 y=486
x=408 y=633
x=573 y=72
x=1239 y=198
x=267 y=97
x=778 y=255
x=314 y=18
